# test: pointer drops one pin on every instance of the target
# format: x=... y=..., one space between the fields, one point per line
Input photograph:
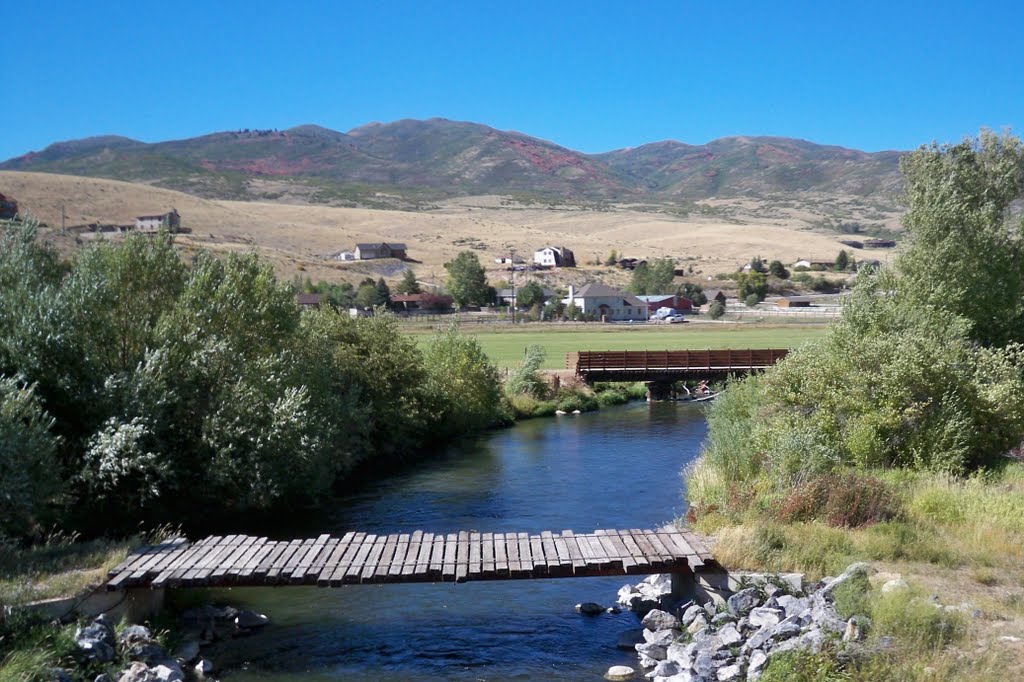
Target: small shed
x=308 y=300
x=716 y=295
x=794 y=302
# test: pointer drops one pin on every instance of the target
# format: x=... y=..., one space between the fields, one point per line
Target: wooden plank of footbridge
x=242 y=560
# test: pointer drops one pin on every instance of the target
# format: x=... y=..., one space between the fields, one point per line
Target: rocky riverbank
x=735 y=639
x=134 y=654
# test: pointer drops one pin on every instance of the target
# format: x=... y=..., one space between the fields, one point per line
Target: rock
x=699 y=623
x=99 y=629
x=853 y=631
x=763 y=616
x=729 y=673
x=134 y=634
x=137 y=672
x=785 y=630
x=1009 y=638
x=858 y=570
x=626 y=594
x=204 y=667
x=576 y=412
x=660 y=620
x=95 y=650
x=741 y=602
x=690 y=613
x=662 y=637
x=168 y=672
x=656 y=652
x=723 y=618
x=102 y=677
x=897 y=585
x=757 y=661
x=704 y=664
x=619 y=672
x=613 y=610
x=630 y=638
x=641 y=607
x=560 y=412
x=587 y=608
x=247 y=620
x=681 y=653
x=60 y=675
x=792 y=605
x=729 y=635
x=645 y=660
x=885 y=642
x=758 y=639
x=666 y=668
x=771 y=589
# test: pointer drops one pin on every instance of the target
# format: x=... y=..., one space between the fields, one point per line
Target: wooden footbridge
x=661 y=368
x=357 y=558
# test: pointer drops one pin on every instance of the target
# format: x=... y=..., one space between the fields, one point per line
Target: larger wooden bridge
x=355 y=558
x=661 y=368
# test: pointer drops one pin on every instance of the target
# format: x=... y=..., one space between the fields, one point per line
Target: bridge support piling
x=658 y=391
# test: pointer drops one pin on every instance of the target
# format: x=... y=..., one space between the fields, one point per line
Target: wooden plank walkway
x=355 y=558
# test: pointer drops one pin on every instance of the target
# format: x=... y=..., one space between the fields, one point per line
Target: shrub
x=803 y=665
x=525 y=378
x=751 y=301
x=853 y=597
x=716 y=310
x=846 y=500
x=28 y=463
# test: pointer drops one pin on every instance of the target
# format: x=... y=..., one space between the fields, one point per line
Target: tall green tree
x=467 y=281
x=964 y=253
x=694 y=292
x=777 y=269
x=408 y=284
x=752 y=283
x=842 y=261
x=383 y=292
x=529 y=294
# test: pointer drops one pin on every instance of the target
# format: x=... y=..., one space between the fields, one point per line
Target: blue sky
x=592 y=76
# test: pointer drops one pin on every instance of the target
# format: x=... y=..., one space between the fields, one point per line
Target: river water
x=616 y=468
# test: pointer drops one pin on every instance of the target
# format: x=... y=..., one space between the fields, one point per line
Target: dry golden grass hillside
x=301 y=238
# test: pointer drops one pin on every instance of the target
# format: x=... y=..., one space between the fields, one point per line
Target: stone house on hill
x=153 y=223
x=606 y=303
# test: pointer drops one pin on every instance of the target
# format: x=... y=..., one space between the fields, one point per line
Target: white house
x=153 y=223
x=603 y=302
x=555 y=256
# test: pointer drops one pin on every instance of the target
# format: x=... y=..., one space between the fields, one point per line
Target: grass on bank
x=956 y=542
x=505 y=345
x=61 y=566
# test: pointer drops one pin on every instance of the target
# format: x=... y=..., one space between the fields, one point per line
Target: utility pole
x=512 y=263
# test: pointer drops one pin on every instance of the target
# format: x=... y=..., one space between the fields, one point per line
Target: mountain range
x=438 y=158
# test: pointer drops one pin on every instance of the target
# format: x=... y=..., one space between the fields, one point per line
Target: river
x=616 y=468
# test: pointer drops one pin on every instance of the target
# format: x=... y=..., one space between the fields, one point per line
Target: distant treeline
x=136 y=388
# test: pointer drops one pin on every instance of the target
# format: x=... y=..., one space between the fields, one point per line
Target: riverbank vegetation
x=530 y=392
x=136 y=388
x=896 y=437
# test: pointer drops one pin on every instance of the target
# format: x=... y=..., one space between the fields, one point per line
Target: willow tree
x=964 y=254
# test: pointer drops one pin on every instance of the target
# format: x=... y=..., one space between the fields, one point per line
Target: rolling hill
x=410 y=163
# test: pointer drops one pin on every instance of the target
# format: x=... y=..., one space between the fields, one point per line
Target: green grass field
x=505 y=345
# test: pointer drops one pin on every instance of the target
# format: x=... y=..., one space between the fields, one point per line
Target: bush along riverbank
x=530 y=392
x=897 y=437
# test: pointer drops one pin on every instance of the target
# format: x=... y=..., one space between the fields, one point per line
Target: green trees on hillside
x=654 y=277
x=467 y=281
x=143 y=389
x=530 y=294
x=923 y=370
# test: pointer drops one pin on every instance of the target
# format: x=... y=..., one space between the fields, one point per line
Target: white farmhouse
x=555 y=256
x=606 y=303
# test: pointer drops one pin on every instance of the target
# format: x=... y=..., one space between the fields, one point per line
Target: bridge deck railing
x=586 y=362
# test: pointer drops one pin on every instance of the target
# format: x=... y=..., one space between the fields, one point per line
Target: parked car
x=672 y=319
